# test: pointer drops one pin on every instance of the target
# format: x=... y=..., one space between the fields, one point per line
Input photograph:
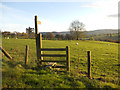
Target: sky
x=58 y=15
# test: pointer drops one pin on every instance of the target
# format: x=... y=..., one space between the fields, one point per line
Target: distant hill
x=100 y=31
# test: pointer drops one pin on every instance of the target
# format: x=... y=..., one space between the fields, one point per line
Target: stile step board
x=53 y=55
x=59 y=66
x=52 y=61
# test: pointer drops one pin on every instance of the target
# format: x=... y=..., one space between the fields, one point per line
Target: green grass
x=104 y=65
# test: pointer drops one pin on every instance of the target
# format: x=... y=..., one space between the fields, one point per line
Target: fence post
x=89 y=64
x=40 y=46
x=68 y=58
x=26 y=55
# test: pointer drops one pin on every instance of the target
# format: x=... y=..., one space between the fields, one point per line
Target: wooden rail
x=6 y=53
x=53 y=55
x=53 y=49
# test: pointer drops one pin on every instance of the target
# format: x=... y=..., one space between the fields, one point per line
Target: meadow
x=104 y=65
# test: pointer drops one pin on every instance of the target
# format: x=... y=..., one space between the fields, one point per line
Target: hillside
x=101 y=31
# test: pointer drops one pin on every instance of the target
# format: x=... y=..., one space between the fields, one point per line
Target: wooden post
x=5 y=53
x=37 y=36
x=89 y=64
x=40 y=47
x=68 y=58
x=26 y=54
x=36 y=25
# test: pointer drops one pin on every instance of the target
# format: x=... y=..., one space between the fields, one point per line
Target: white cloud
x=106 y=7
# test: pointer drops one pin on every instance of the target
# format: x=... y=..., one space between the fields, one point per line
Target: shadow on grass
x=12 y=63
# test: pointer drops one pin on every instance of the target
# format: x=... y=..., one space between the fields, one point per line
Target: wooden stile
x=39 y=50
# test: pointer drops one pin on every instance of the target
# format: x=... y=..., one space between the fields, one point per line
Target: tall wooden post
x=68 y=58
x=38 y=41
x=26 y=55
x=89 y=64
x=37 y=36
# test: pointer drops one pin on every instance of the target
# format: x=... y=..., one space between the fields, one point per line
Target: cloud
x=13 y=27
x=106 y=18
x=101 y=4
x=99 y=21
x=114 y=15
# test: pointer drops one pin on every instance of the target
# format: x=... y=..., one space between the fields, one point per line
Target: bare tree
x=77 y=29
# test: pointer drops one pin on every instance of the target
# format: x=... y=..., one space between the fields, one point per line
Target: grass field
x=104 y=61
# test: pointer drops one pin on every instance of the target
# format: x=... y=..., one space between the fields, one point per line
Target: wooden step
x=59 y=66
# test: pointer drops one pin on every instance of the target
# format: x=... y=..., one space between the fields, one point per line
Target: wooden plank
x=53 y=55
x=53 y=61
x=59 y=66
x=89 y=64
x=5 y=53
x=53 y=49
x=68 y=58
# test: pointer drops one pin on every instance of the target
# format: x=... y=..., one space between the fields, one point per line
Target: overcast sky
x=56 y=15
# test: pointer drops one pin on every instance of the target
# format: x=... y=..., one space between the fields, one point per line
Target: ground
x=104 y=65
